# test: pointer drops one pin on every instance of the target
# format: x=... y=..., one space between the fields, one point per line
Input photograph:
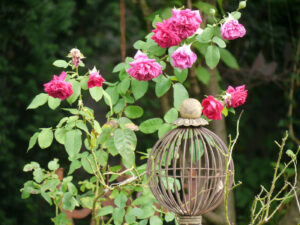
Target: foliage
x=89 y=144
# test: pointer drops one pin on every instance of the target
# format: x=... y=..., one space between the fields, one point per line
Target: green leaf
x=181 y=74
x=33 y=140
x=180 y=93
x=53 y=103
x=155 y=220
x=125 y=140
x=236 y=15
x=96 y=93
x=151 y=125
x=134 y=111
x=53 y=165
x=118 y=216
x=139 y=88
x=231 y=109
x=45 y=138
x=203 y=75
x=169 y=217
x=114 y=95
x=88 y=164
x=69 y=202
x=60 y=63
x=108 y=101
x=60 y=135
x=76 y=91
x=139 y=44
x=38 y=100
x=165 y=128
x=73 y=142
x=206 y=35
x=119 y=106
x=155 y=20
x=229 y=59
x=75 y=164
x=83 y=83
x=105 y=211
x=38 y=175
x=119 y=67
x=212 y=56
x=124 y=86
x=219 y=42
x=81 y=125
x=153 y=48
x=171 y=115
x=121 y=200
x=163 y=84
x=61 y=219
x=225 y=111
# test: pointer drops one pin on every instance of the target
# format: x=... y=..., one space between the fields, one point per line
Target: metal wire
x=186 y=169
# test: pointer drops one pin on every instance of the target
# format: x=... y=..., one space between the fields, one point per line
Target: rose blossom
x=76 y=56
x=183 y=57
x=58 y=87
x=184 y=23
x=212 y=108
x=232 y=29
x=235 y=96
x=143 y=68
x=95 y=79
x=163 y=36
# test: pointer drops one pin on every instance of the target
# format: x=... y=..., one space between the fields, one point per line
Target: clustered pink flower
x=235 y=96
x=76 y=56
x=183 y=57
x=143 y=68
x=95 y=79
x=183 y=24
x=232 y=30
x=164 y=37
x=58 y=87
x=212 y=108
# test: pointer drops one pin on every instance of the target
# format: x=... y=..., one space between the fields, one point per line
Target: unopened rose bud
x=212 y=12
x=242 y=5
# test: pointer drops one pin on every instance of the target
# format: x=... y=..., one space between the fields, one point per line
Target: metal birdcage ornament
x=186 y=168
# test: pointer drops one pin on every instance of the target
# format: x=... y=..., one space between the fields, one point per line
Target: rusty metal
x=186 y=171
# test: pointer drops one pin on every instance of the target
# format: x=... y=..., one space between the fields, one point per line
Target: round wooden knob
x=190 y=109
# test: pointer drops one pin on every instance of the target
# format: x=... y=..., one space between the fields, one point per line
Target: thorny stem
x=228 y=172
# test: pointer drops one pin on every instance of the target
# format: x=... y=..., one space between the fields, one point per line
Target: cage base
x=189 y=220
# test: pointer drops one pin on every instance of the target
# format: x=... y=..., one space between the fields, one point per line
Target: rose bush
x=89 y=144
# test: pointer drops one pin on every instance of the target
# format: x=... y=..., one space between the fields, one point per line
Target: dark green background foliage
x=35 y=32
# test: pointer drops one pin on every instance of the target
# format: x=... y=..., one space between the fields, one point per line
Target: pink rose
x=232 y=29
x=143 y=68
x=183 y=57
x=58 y=87
x=164 y=37
x=212 y=108
x=235 y=96
x=95 y=79
x=184 y=23
x=76 y=56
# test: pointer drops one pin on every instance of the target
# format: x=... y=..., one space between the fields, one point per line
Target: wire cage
x=186 y=171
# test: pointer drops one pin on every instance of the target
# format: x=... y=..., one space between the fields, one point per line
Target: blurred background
x=33 y=33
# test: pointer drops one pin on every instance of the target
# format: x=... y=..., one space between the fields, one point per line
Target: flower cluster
x=143 y=68
x=234 y=97
x=183 y=24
